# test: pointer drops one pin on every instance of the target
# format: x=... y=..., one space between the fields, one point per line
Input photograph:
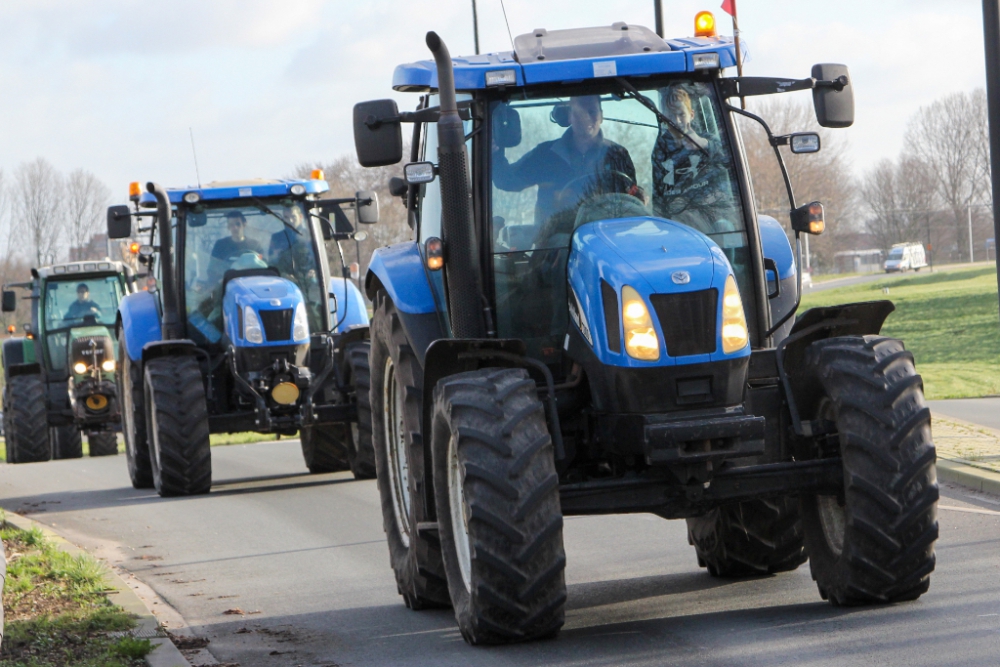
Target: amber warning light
x=704 y=25
x=133 y=248
x=134 y=191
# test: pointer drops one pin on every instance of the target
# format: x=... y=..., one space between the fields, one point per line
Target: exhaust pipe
x=462 y=277
x=171 y=324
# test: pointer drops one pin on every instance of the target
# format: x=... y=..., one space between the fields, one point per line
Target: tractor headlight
x=734 y=322
x=79 y=368
x=108 y=366
x=640 y=337
x=252 y=331
x=300 y=325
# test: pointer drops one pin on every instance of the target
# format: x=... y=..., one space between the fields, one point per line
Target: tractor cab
x=238 y=311
x=594 y=319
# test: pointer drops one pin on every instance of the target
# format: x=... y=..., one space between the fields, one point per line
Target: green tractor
x=60 y=376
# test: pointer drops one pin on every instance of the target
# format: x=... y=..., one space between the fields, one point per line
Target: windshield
x=269 y=234
x=896 y=253
x=77 y=302
x=590 y=157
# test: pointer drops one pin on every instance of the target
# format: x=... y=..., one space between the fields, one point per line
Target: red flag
x=729 y=7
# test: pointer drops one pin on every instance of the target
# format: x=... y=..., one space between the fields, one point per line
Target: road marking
x=969 y=510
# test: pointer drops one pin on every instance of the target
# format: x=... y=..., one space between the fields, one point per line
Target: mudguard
x=19 y=357
x=777 y=248
x=399 y=270
x=347 y=306
x=139 y=314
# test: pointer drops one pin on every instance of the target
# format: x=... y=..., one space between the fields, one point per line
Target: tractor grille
x=688 y=321
x=277 y=324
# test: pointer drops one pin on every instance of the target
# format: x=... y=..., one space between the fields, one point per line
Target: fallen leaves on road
x=235 y=611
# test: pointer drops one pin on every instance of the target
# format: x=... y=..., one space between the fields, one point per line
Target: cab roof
x=543 y=56
x=70 y=269
x=255 y=187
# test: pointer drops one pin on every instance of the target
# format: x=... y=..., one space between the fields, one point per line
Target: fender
x=399 y=270
x=139 y=314
x=802 y=391
x=777 y=248
x=348 y=315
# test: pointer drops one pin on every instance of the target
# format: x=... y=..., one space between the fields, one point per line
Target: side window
x=429 y=198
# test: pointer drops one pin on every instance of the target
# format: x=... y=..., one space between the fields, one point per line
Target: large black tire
x=414 y=552
x=497 y=497
x=133 y=402
x=749 y=538
x=67 y=442
x=876 y=542
x=177 y=415
x=102 y=443
x=27 y=430
x=362 y=452
x=326 y=448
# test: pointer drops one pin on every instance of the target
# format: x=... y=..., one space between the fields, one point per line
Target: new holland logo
x=680 y=277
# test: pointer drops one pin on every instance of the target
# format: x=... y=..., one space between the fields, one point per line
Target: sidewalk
x=968 y=454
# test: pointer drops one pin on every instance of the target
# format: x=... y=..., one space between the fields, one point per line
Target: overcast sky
x=113 y=85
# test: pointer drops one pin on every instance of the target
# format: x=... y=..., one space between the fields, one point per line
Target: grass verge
x=56 y=609
x=948 y=319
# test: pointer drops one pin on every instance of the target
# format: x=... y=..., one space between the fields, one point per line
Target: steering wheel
x=573 y=194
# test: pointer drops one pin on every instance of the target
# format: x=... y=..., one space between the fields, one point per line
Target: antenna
x=195 y=154
x=475 y=25
x=508 y=25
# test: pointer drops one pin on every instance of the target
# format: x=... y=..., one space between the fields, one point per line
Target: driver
x=581 y=152
x=83 y=306
x=227 y=249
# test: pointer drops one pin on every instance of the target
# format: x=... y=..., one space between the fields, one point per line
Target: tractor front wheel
x=326 y=448
x=873 y=541
x=133 y=402
x=497 y=498
x=102 y=443
x=362 y=452
x=26 y=431
x=67 y=442
x=177 y=417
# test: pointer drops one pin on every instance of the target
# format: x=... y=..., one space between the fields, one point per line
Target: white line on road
x=970 y=510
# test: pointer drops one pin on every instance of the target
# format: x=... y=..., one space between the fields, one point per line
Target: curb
x=968 y=476
x=164 y=653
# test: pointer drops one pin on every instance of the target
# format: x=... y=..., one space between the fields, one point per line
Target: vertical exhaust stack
x=462 y=277
x=168 y=288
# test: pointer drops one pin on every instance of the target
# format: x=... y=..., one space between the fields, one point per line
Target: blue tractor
x=594 y=319
x=241 y=328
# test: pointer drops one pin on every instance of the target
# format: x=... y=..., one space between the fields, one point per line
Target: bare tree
x=36 y=198
x=946 y=136
x=825 y=176
x=86 y=201
x=902 y=200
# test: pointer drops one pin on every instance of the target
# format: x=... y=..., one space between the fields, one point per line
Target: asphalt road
x=303 y=557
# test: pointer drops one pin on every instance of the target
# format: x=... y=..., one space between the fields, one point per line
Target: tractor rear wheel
x=27 y=430
x=103 y=443
x=326 y=448
x=874 y=541
x=67 y=442
x=133 y=402
x=396 y=389
x=749 y=538
x=177 y=415
x=497 y=498
x=362 y=452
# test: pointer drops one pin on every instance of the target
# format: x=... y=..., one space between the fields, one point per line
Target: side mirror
x=809 y=219
x=146 y=251
x=378 y=138
x=804 y=142
x=119 y=222
x=367 y=206
x=418 y=173
x=506 y=126
x=9 y=301
x=834 y=108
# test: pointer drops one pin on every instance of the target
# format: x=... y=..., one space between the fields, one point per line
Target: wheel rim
x=833 y=519
x=459 y=519
x=399 y=465
x=128 y=420
x=152 y=432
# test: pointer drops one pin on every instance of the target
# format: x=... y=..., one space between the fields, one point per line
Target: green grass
x=948 y=319
x=56 y=609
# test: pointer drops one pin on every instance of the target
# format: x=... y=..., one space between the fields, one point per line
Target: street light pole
x=991 y=39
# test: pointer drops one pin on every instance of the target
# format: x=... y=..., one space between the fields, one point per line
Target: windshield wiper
x=265 y=208
x=628 y=90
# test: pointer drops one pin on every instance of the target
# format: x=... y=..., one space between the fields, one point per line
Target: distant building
x=858 y=261
x=95 y=248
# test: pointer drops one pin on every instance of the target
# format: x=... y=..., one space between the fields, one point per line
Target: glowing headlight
x=734 y=322
x=300 y=327
x=79 y=368
x=252 y=331
x=108 y=366
x=640 y=337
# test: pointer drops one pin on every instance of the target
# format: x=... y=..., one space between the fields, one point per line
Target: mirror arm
x=751 y=86
x=428 y=115
x=774 y=144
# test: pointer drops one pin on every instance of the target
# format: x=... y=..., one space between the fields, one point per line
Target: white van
x=906 y=256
